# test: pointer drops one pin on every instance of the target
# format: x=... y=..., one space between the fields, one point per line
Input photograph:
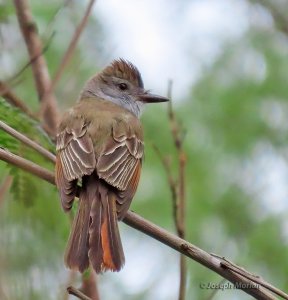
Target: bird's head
x=121 y=83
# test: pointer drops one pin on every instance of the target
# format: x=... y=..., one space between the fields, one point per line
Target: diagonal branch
x=209 y=261
x=25 y=140
x=72 y=291
x=26 y=165
x=255 y=278
x=194 y=253
x=177 y=186
x=39 y=67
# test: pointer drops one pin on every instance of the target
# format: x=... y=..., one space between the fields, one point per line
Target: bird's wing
x=75 y=158
x=120 y=162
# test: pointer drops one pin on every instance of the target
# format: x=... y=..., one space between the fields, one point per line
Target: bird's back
x=102 y=117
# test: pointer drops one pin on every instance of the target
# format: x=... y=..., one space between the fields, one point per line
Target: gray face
x=121 y=83
x=123 y=93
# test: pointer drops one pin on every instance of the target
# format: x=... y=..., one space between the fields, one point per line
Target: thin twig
x=181 y=220
x=160 y=234
x=176 y=187
x=174 y=126
x=39 y=67
x=25 y=140
x=178 y=197
x=71 y=48
x=13 y=99
x=255 y=278
x=73 y=291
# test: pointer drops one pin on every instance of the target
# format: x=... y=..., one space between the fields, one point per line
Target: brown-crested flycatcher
x=100 y=142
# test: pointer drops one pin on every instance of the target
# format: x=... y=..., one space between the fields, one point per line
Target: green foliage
x=22 y=186
x=22 y=123
x=23 y=182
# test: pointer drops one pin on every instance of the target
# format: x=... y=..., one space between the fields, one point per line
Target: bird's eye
x=122 y=86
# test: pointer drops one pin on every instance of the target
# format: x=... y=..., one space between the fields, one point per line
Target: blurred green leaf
x=24 y=124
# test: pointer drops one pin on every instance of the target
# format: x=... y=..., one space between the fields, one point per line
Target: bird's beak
x=151 y=98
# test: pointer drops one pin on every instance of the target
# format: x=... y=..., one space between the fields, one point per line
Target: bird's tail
x=94 y=236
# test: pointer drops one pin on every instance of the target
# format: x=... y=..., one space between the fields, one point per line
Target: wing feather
x=120 y=164
x=66 y=188
x=75 y=157
x=125 y=197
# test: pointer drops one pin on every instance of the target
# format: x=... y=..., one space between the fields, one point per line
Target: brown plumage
x=100 y=142
x=124 y=70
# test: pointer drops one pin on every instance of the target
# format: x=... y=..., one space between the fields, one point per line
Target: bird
x=99 y=154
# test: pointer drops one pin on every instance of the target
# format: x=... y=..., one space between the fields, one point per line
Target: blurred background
x=228 y=63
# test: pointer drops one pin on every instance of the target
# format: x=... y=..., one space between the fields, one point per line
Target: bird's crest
x=124 y=69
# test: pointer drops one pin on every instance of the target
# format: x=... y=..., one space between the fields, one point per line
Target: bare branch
x=25 y=140
x=183 y=276
x=39 y=67
x=177 y=187
x=14 y=100
x=174 y=125
x=255 y=278
x=181 y=219
x=26 y=165
x=194 y=253
x=180 y=245
x=71 y=48
x=72 y=291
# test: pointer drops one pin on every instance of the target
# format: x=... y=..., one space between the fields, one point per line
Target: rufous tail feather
x=76 y=254
x=94 y=236
x=109 y=245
